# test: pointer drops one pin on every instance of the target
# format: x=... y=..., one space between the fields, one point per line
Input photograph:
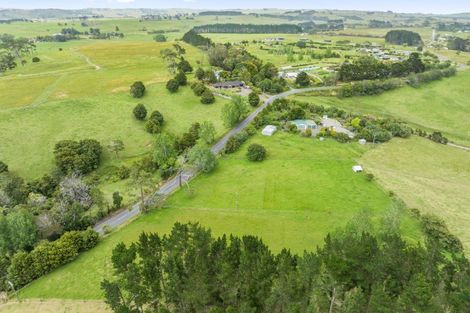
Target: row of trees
x=376 y=87
x=369 y=68
x=453 y=27
x=368 y=87
x=47 y=256
x=380 y=24
x=416 y=80
x=221 y=13
x=355 y=270
x=249 y=28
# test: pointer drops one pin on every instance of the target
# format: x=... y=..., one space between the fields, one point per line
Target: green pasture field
x=74 y=100
x=460 y=57
x=133 y=28
x=428 y=176
x=439 y=106
x=303 y=190
x=83 y=92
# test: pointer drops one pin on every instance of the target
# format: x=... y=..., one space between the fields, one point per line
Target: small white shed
x=362 y=141
x=269 y=130
x=357 y=168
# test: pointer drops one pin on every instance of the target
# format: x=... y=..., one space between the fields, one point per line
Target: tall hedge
x=47 y=256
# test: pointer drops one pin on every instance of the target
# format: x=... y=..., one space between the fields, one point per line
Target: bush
x=253 y=99
x=36 y=60
x=3 y=167
x=137 y=89
x=369 y=176
x=207 y=97
x=77 y=156
x=256 y=153
x=184 y=66
x=172 y=85
x=303 y=80
x=438 y=137
x=198 y=88
x=202 y=158
x=181 y=78
x=140 y=112
x=232 y=145
x=342 y=137
x=157 y=117
x=155 y=123
x=200 y=73
x=160 y=38
x=117 y=200
x=123 y=172
x=375 y=134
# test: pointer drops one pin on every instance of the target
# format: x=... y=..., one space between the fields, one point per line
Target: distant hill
x=226 y=13
x=8 y=14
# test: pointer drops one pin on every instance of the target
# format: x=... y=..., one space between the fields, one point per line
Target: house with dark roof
x=229 y=84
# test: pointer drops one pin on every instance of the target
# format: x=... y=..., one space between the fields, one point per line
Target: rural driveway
x=173 y=184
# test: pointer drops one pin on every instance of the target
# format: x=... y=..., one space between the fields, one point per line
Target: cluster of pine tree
x=193 y=38
x=355 y=270
x=403 y=37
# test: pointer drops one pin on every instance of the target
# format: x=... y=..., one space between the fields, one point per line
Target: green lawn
x=430 y=177
x=304 y=190
x=439 y=106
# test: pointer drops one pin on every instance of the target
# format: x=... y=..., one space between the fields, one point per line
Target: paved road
x=173 y=184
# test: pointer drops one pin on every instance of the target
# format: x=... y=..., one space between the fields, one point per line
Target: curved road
x=173 y=184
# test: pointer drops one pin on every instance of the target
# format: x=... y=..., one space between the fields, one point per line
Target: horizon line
x=228 y=9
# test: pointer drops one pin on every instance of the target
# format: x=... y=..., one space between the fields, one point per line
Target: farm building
x=357 y=168
x=269 y=130
x=303 y=125
x=229 y=84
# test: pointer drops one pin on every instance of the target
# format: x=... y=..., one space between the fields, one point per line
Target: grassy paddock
x=304 y=190
x=73 y=100
x=430 y=177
